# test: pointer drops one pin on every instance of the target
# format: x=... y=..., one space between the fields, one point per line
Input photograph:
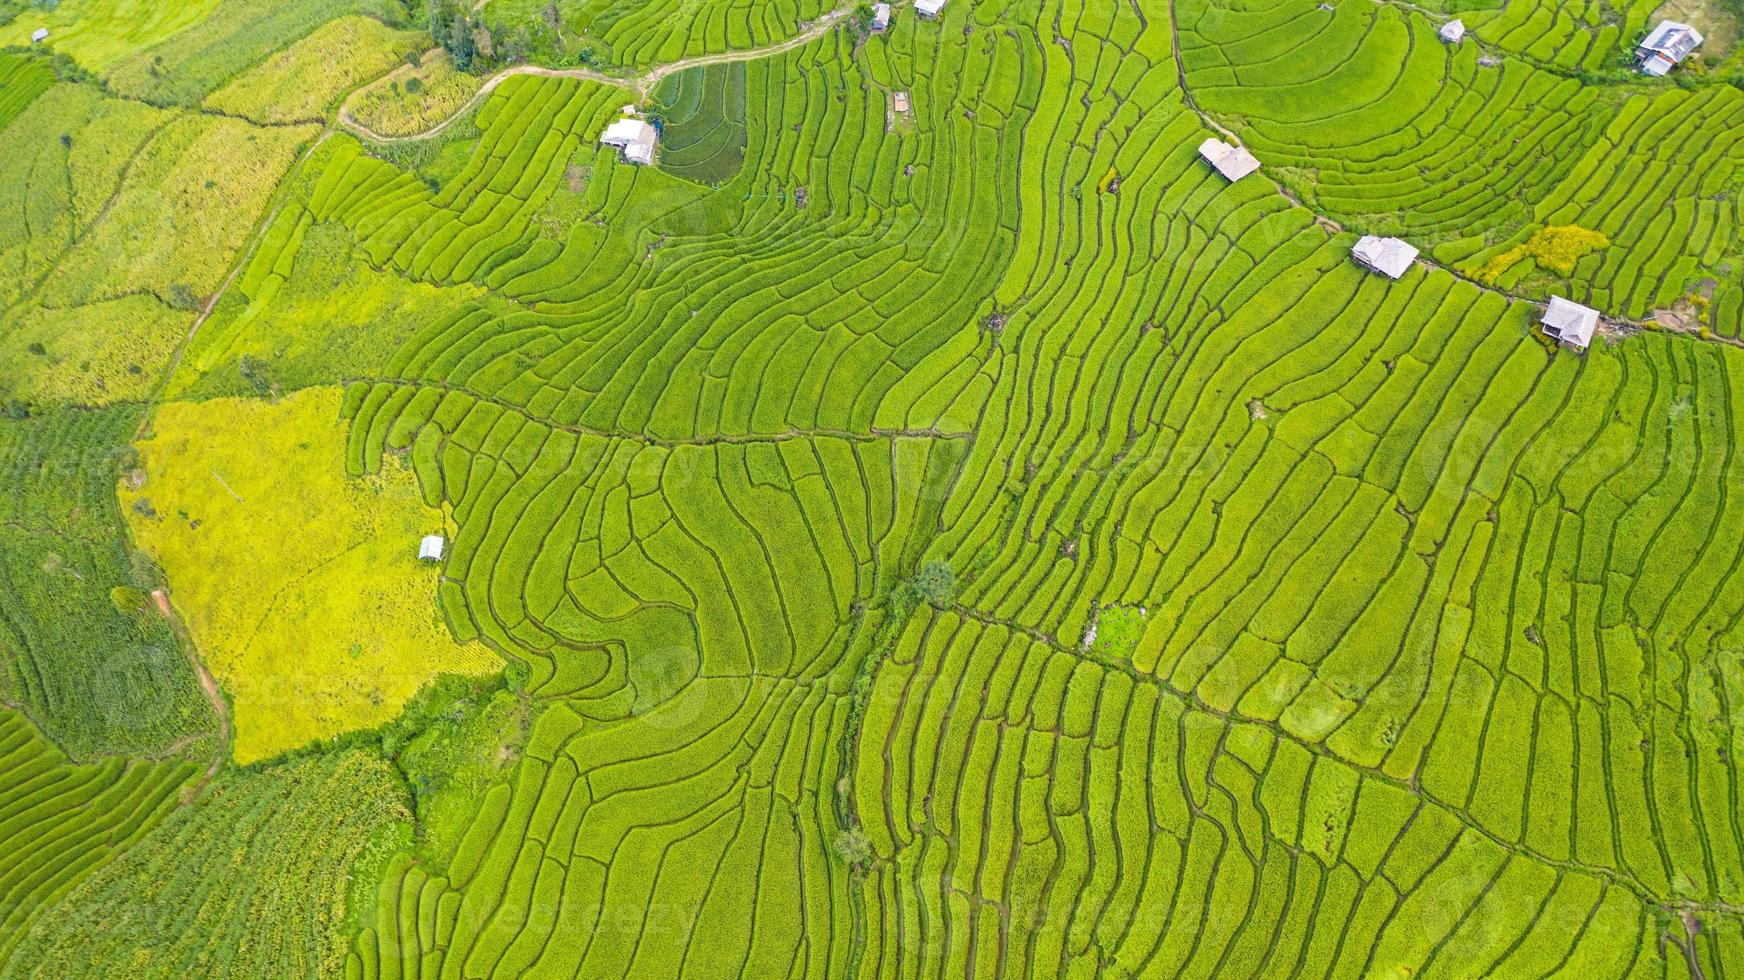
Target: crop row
x=703 y=136
x=842 y=276
x=643 y=33
x=250 y=879
x=703 y=851
x=1379 y=123
x=21 y=81
x=1407 y=135
x=195 y=61
x=62 y=821
x=1038 y=814
x=1300 y=620
x=1587 y=35
x=533 y=129
x=1420 y=544
x=117 y=219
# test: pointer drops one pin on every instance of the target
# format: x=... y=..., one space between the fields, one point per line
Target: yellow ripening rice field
x=301 y=587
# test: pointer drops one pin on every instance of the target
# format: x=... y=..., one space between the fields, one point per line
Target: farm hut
x=1388 y=256
x=899 y=101
x=430 y=549
x=1453 y=31
x=928 y=8
x=39 y=35
x=1233 y=162
x=1569 y=323
x=1667 y=44
x=881 y=17
x=635 y=137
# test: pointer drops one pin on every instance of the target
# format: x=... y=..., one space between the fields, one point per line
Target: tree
x=256 y=372
x=854 y=848
x=183 y=297
x=453 y=29
x=515 y=49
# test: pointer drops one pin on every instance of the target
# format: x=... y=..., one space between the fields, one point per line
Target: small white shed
x=1452 y=32
x=928 y=8
x=1388 y=256
x=39 y=35
x=636 y=137
x=880 y=16
x=431 y=548
x=1233 y=162
x=1569 y=323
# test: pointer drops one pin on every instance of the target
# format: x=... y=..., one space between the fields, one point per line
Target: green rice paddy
x=970 y=540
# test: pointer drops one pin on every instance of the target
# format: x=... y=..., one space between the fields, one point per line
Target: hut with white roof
x=1388 y=256
x=1233 y=162
x=1667 y=44
x=928 y=8
x=430 y=549
x=1569 y=323
x=1453 y=31
x=635 y=137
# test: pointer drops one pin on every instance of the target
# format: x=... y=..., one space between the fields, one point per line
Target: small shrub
x=1555 y=249
x=128 y=600
x=183 y=297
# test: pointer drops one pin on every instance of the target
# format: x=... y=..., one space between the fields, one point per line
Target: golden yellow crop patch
x=302 y=587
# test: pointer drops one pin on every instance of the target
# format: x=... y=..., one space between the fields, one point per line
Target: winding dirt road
x=641 y=84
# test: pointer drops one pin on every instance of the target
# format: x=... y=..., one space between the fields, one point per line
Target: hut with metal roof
x=1569 y=323
x=431 y=548
x=635 y=137
x=1388 y=256
x=1233 y=162
x=1667 y=44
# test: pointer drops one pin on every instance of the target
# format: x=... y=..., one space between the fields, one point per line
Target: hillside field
x=925 y=521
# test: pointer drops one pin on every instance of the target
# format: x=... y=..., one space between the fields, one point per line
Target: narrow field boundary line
x=874 y=434
x=1192 y=701
x=641 y=84
x=243 y=258
x=208 y=686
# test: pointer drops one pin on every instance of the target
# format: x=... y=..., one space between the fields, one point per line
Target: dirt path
x=640 y=84
x=208 y=684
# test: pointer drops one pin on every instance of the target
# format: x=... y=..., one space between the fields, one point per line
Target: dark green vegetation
x=638 y=33
x=703 y=112
x=248 y=880
x=980 y=541
x=85 y=657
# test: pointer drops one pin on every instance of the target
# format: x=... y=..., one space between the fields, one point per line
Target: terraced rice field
x=703 y=133
x=968 y=539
